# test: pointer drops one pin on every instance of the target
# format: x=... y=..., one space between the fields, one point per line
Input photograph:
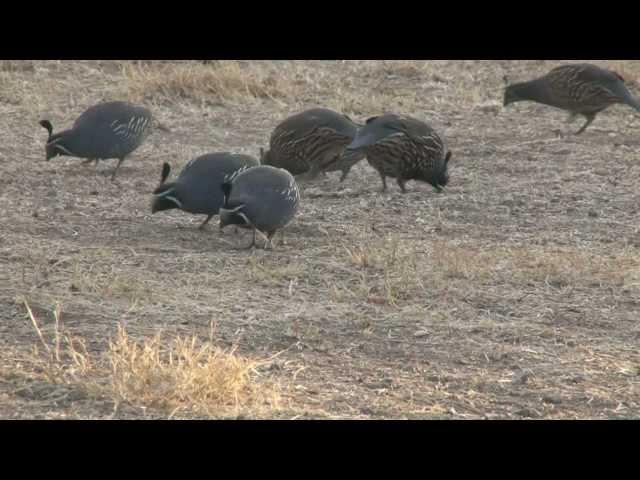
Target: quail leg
x=269 y=242
x=401 y=182
x=384 y=182
x=202 y=225
x=590 y=118
x=314 y=171
x=345 y=172
x=113 y=176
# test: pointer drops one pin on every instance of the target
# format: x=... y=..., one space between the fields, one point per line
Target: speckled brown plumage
x=312 y=142
x=404 y=148
x=581 y=89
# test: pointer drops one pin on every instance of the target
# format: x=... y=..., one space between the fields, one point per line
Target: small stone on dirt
x=527 y=413
x=522 y=378
x=575 y=379
x=489 y=108
x=377 y=300
x=553 y=399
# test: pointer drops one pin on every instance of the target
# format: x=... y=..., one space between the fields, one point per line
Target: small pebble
x=552 y=399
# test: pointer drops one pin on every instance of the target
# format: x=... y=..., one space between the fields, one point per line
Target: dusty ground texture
x=514 y=294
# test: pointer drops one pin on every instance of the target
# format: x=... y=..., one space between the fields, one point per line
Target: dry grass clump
x=362 y=105
x=107 y=282
x=391 y=270
x=450 y=262
x=186 y=374
x=403 y=68
x=180 y=374
x=556 y=267
x=387 y=270
x=219 y=81
x=576 y=267
x=272 y=273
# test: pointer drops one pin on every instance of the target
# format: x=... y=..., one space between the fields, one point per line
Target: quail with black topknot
x=312 y=142
x=264 y=199
x=581 y=89
x=198 y=188
x=104 y=131
x=403 y=148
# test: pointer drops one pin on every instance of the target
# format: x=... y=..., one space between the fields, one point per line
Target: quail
x=198 y=188
x=262 y=198
x=581 y=89
x=403 y=148
x=106 y=130
x=312 y=142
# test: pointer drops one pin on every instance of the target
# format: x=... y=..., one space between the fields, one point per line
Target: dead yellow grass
x=387 y=270
x=560 y=267
x=272 y=273
x=185 y=374
x=109 y=283
x=221 y=81
x=403 y=68
x=390 y=270
x=170 y=375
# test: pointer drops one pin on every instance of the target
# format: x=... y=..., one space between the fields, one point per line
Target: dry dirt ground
x=514 y=294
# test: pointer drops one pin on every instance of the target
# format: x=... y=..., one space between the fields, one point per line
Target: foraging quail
x=106 y=130
x=405 y=148
x=580 y=89
x=262 y=198
x=312 y=141
x=198 y=189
